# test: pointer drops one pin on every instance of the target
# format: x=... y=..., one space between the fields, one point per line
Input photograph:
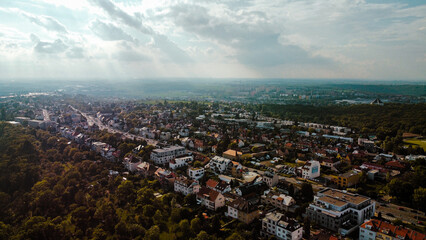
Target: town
x=286 y=179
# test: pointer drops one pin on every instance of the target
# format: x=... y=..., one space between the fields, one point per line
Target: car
x=419 y=222
x=390 y=214
x=401 y=208
x=383 y=204
x=413 y=211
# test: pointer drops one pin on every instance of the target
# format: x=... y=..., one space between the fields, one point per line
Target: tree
x=153 y=233
x=291 y=190
x=195 y=225
x=235 y=236
x=419 y=198
x=307 y=192
x=203 y=236
x=307 y=228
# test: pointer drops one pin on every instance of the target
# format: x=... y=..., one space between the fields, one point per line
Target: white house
x=311 y=169
x=196 y=173
x=219 y=164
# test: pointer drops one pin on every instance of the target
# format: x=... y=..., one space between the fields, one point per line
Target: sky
x=118 y=39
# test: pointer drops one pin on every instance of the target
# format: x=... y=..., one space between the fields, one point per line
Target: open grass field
x=416 y=142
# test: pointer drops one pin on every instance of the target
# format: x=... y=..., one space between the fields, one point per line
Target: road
x=46 y=115
x=405 y=214
x=94 y=120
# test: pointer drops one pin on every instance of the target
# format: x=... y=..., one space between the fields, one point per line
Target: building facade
x=340 y=211
x=278 y=225
x=164 y=155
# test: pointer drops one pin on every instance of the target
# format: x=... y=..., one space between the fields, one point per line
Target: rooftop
x=344 y=196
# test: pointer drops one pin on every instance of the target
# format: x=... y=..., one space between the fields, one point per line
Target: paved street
x=94 y=120
x=405 y=215
x=46 y=115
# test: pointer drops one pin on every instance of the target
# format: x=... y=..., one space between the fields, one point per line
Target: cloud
x=136 y=21
x=46 y=22
x=75 y=52
x=54 y=47
x=256 y=43
x=129 y=56
x=109 y=32
x=116 y=12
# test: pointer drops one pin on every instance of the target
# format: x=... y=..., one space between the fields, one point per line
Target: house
x=186 y=186
x=271 y=179
x=164 y=155
x=146 y=169
x=210 y=198
x=377 y=229
x=131 y=163
x=180 y=162
x=219 y=164
x=195 y=172
x=277 y=225
x=199 y=145
x=311 y=169
x=281 y=201
x=330 y=162
x=232 y=154
x=340 y=211
x=348 y=179
x=221 y=186
x=243 y=210
x=236 y=169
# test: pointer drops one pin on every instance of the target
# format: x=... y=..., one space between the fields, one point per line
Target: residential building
x=196 y=172
x=210 y=198
x=186 y=186
x=164 y=155
x=270 y=178
x=219 y=164
x=278 y=225
x=281 y=201
x=243 y=210
x=311 y=169
x=376 y=229
x=348 y=179
x=221 y=186
x=180 y=162
x=232 y=154
x=340 y=211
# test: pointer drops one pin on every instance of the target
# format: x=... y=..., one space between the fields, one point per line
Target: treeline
x=53 y=189
x=389 y=120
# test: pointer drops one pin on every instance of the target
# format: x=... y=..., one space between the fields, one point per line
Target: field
x=417 y=142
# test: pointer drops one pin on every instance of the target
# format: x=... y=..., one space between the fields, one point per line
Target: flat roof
x=333 y=201
x=344 y=196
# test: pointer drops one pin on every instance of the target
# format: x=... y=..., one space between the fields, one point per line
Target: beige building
x=243 y=210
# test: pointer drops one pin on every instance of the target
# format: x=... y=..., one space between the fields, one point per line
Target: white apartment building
x=180 y=162
x=339 y=210
x=164 y=155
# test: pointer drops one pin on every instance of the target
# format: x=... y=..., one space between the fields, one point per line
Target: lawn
x=417 y=142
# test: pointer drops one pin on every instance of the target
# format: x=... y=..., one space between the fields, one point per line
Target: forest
x=53 y=189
